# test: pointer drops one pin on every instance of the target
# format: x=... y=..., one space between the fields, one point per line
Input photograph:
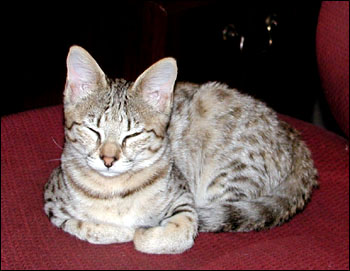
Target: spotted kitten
x=146 y=162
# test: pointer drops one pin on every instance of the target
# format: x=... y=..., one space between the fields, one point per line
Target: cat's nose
x=108 y=161
x=109 y=153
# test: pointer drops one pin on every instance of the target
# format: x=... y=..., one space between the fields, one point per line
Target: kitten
x=154 y=163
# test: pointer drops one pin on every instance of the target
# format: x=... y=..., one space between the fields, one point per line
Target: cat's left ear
x=83 y=75
x=156 y=84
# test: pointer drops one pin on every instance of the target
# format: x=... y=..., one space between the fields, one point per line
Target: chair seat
x=317 y=238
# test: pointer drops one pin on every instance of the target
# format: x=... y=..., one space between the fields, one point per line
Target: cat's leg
x=174 y=235
x=97 y=233
x=86 y=230
x=60 y=215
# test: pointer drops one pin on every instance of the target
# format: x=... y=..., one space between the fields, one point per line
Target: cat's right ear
x=83 y=75
x=156 y=84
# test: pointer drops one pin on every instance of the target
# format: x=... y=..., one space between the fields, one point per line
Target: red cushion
x=317 y=238
x=333 y=58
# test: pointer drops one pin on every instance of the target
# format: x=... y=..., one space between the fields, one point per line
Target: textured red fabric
x=317 y=238
x=332 y=49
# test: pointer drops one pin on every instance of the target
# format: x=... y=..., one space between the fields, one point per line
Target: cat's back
x=214 y=128
x=216 y=105
x=214 y=116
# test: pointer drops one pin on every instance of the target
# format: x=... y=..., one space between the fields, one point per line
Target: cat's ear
x=83 y=75
x=156 y=84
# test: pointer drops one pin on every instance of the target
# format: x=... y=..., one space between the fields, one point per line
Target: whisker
x=59 y=159
x=53 y=160
x=54 y=141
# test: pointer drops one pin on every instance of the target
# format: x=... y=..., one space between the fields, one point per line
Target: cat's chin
x=108 y=174
x=114 y=171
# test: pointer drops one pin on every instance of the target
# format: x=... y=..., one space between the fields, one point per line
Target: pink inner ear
x=83 y=74
x=73 y=75
x=159 y=98
x=78 y=90
x=73 y=83
x=79 y=82
x=156 y=84
x=164 y=101
x=74 y=92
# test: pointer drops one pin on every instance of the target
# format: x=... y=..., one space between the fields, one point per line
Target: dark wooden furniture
x=266 y=49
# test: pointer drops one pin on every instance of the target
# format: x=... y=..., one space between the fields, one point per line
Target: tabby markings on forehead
x=217 y=179
x=129 y=122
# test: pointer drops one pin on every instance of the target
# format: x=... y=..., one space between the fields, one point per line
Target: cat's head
x=115 y=126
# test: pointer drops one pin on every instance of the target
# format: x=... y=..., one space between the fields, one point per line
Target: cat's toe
x=156 y=241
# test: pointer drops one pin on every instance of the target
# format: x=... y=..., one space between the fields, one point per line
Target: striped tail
x=266 y=211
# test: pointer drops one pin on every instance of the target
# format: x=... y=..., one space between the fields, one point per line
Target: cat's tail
x=266 y=211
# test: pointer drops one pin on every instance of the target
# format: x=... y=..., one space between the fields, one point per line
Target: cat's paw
x=97 y=233
x=162 y=240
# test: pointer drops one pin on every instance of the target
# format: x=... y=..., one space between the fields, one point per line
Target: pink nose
x=109 y=161
x=109 y=153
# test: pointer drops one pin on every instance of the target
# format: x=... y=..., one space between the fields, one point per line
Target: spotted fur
x=155 y=163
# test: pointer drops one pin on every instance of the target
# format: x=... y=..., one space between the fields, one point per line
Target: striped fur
x=152 y=163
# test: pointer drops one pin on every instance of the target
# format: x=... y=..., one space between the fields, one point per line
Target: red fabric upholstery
x=333 y=58
x=317 y=238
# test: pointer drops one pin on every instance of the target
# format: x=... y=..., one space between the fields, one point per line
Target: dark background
x=204 y=36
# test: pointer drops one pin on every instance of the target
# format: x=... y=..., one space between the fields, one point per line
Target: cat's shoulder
x=189 y=89
x=211 y=85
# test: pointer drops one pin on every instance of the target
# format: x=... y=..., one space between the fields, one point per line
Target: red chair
x=317 y=238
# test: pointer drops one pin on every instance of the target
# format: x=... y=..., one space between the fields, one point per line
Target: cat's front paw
x=97 y=233
x=163 y=240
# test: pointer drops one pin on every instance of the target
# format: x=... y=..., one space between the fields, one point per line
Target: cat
x=156 y=162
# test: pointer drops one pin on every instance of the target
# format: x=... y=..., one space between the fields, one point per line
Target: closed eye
x=96 y=132
x=129 y=136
